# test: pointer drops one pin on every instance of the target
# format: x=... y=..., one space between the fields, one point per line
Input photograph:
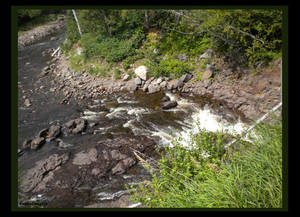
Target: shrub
x=244 y=176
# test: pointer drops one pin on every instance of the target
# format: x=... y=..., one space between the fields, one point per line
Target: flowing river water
x=121 y=115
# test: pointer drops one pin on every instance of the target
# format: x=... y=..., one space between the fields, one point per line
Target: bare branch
x=246 y=33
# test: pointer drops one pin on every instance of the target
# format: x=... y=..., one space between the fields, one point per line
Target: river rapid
x=118 y=122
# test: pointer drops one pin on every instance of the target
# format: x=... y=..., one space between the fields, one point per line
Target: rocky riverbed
x=78 y=133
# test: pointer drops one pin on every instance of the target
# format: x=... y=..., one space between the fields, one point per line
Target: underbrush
x=247 y=175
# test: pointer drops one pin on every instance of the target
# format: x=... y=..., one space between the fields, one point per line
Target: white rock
x=141 y=72
x=207 y=54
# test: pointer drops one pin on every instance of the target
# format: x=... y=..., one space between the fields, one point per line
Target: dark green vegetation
x=30 y=18
x=120 y=38
x=246 y=175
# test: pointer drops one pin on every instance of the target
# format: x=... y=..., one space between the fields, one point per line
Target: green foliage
x=174 y=42
x=30 y=18
x=173 y=66
x=247 y=176
x=117 y=74
x=245 y=35
x=112 y=49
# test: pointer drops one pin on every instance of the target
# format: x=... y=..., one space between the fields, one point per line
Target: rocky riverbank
x=80 y=167
x=251 y=95
x=40 y=32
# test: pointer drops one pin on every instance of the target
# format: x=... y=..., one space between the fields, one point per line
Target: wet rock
x=26 y=144
x=36 y=178
x=169 y=104
x=165 y=99
x=80 y=126
x=153 y=88
x=27 y=103
x=123 y=165
x=70 y=124
x=85 y=158
x=37 y=143
x=62 y=144
x=43 y=132
x=54 y=131
x=76 y=125
x=141 y=72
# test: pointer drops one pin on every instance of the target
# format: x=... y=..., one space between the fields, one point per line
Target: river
x=121 y=118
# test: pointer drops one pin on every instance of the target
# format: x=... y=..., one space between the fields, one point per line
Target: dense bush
x=113 y=49
x=249 y=176
x=243 y=37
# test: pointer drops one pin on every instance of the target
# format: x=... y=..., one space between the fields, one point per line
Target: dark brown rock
x=165 y=99
x=36 y=178
x=169 y=104
x=54 y=131
x=37 y=142
x=123 y=165
x=85 y=158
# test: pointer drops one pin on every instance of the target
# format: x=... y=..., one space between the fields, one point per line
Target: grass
x=244 y=176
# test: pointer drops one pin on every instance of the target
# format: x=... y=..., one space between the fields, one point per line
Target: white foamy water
x=199 y=119
x=90 y=115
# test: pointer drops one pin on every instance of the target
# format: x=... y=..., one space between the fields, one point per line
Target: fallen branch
x=55 y=51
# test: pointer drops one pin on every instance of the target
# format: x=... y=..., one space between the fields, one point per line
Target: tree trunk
x=78 y=26
x=146 y=20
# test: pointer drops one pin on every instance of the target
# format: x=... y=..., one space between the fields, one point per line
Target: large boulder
x=76 y=126
x=36 y=178
x=53 y=131
x=168 y=104
x=141 y=72
x=37 y=143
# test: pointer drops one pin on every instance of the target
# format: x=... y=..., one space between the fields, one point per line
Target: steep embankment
x=38 y=33
x=251 y=95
